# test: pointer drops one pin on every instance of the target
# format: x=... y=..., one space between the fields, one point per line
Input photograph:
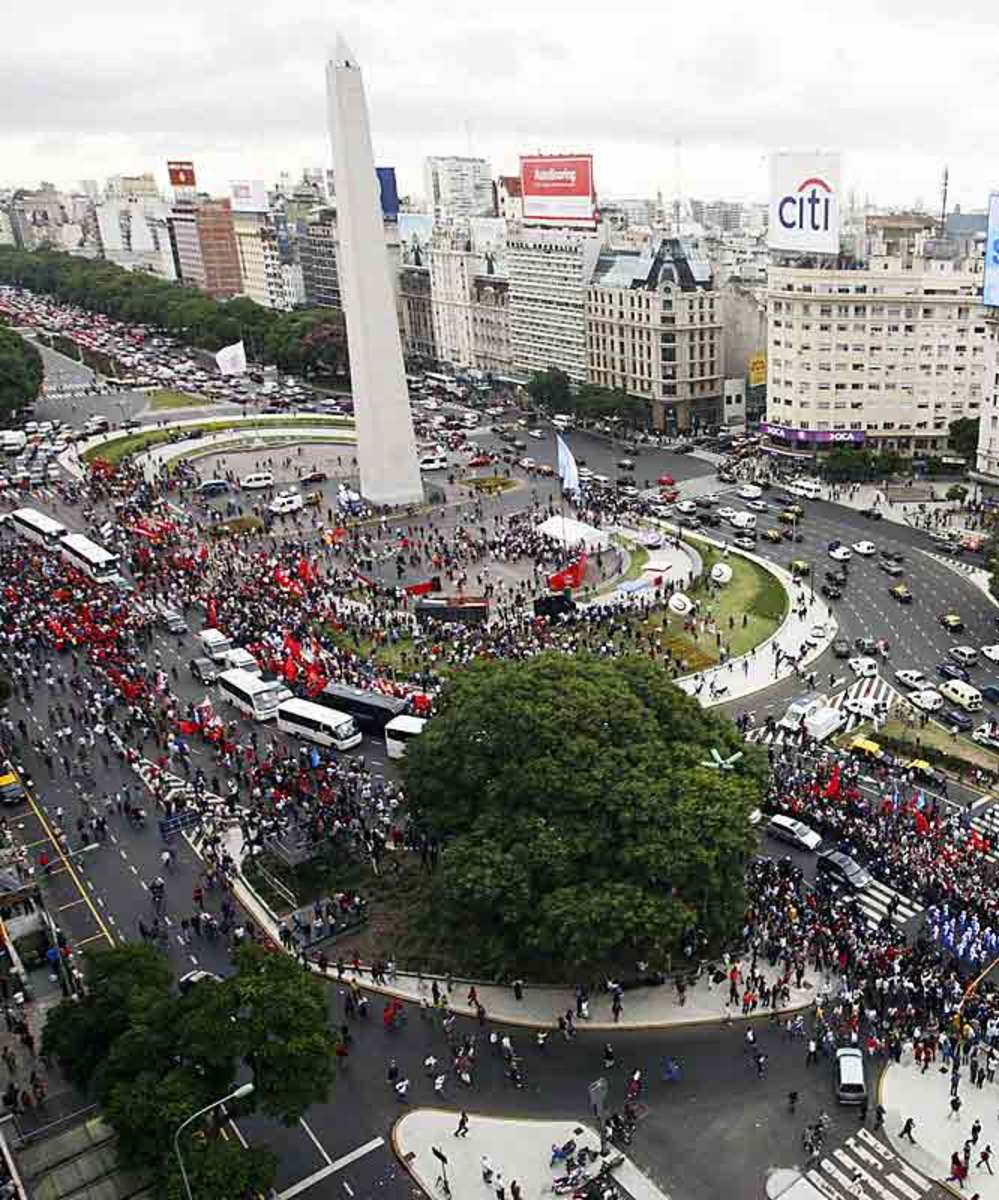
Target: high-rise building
x=259 y=259
x=133 y=232
x=204 y=246
x=459 y=187
x=386 y=443
x=317 y=254
x=416 y=318
x=885 y=356
x=130 y=187
x=6 y=229
x=469 y=295
x=654 y=330
x=549 y=271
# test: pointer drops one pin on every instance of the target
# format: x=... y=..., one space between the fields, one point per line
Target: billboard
x=990 y=292
x=758 y=370
x=804 y=203
x=489 y=243
x=415 y=232
x=849 y=437
x=389 y=192
x=181 y=174
x=248 y=195
x=558 y=189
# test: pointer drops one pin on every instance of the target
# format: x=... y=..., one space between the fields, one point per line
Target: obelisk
x=386 y=444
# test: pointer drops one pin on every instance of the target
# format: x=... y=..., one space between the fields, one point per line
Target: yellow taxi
x=11 y=789
x=901 y=592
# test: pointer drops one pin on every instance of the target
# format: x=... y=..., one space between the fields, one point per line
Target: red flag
x=290 y=670
x=304 y=571
x=293 y=647
x=832 y=787
x=212 y=614
x=922 y=825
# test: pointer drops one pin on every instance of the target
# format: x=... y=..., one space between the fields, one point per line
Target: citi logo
x=809 y=209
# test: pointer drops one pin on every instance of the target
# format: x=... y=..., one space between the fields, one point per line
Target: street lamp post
x=244 y=1089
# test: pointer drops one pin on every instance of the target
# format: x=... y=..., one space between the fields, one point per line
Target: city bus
x=399 y=732
x=90 y=558
x=37 y=527
x=258 y=698
x=371 y=710
x=317 y=723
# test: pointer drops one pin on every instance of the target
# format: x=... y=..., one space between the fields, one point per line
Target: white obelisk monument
x=386 y=444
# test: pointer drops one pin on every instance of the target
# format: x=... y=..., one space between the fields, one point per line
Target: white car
x=286 y=502
x=527 y=464
x=257 y=481
x=686 y=507
x=967 y=656
x=928 y=700
x=757 y=505
x=866 y=549
x=536 y=434
x=864 y=667
x=914 y=679
x=749 y=491
x=841 y=554
x=651 y=539
x=815 y=635
x=864 y=707
x=986 y=735
x=726 y=513
x=991 y=653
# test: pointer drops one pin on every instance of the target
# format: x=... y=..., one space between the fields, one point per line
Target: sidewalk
x=906 y=1092
x=517 y=1150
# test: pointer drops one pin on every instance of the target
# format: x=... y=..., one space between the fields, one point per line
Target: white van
x=286 y=502
x=800 y=710
x=562 y=422
x=824 y=722
x=811 y=489
x=399 y=731
x=433 y=462
x=963 y=694
x=851 y=1086
x=259 y=479
x=742 y=520
x=242 y=660
x=215 y=644
x=319 y=724
x=252 y=695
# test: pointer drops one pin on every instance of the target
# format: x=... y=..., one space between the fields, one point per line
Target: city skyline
x=700 y=118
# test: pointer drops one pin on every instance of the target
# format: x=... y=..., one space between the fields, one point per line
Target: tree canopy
x=963 y=437
x=578 y=823
x=21 y=372
x=306 y=341
x=551 y=389
x=152 y=1057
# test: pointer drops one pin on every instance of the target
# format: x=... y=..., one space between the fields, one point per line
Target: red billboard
x=181 y=174
x=558 y=188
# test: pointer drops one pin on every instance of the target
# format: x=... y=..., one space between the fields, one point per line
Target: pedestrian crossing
x=864 y=696
x=986 y=824
x=864 y=1166
x=876 y=900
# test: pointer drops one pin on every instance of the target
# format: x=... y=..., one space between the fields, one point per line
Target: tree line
x=306 y=342
x=552 y=390
x=21 y=372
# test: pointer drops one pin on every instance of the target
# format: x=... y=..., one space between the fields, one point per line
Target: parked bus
x=37 y=527
x=371 y=710
x=317 y=723
x=399 y=732
x=90 y=558
x=256 y=697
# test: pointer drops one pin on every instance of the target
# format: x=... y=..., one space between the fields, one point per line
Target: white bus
x=317 y=723
x=37 y=527
x=399 y=731
x=256 y=697
x=93 y=560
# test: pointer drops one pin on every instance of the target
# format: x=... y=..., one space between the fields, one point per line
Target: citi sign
x=810 y=208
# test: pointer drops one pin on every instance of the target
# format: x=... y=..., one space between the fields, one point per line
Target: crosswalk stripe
x=875 y=688
x=864 y=1166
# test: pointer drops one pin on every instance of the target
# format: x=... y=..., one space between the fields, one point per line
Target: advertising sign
x=388 y=190
x=804 y=203
x=181 y=174
x=990 y=293
x=415 y=232
x=489 y=243
x=248 y=195
x=758 y=370
x=849 y=437
x=558 y=189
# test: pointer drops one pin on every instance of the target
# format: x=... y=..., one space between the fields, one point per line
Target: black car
x=836 y=578
x=872 y=514
x=711 y=518
x=890 y=567
x=950 y=670
x=840 y=868
x=204 y=670
x=626 y=464
x=990 y=692
x=831 y=592
x=841 y=648
x=315 y=477
x=954 y=718
x=894 y=556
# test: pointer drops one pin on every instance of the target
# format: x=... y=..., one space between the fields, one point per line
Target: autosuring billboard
x=181 y=174
x=990 y=292
x=804 y=203
x=558 y=189
x=248 y=195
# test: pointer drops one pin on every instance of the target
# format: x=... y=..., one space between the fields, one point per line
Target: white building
x=260 y=259
x=886 y=356
x=458 y=187
x=134 y=233
x=988 y=430
x=549 y=271
x=469 y=295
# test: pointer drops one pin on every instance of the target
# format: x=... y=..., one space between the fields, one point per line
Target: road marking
x=95 y=937
x=315 y=1141
x=71 y=904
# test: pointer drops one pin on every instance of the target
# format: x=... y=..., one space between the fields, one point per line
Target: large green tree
x=20 y=372
x=963 y=437
x=578 y=821
x=551 y=389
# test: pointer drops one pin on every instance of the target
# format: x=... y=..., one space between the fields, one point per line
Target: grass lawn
x=168 y=398
x=750 y=608
x=119 y=448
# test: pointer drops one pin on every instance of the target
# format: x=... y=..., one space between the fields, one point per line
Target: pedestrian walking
x=955 y=1108
x=487 y=1170
x=907 y=1129
x=985 y=1159
x=976 y=1130
x=499 y=1186
x=462 y=1130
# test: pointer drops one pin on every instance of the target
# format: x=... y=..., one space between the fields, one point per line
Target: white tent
x=575 y=533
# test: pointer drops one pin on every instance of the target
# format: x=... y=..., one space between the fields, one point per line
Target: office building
x=317 y=252
x=133 y=232
x=6 y=229
x=416 y=316
x=549 y=271
x=132 y=187
x=259 y=259
x=510 y=198
x=654 y=330
x=204 y=246
x=458 y=187
x=887 y=355
x=469 y=297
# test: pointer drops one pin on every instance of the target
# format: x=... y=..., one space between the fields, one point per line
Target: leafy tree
x=963 y=437
x=957 y=491
x=598 y=402
x=579 y=823
x=551 y=390
x=21 y=372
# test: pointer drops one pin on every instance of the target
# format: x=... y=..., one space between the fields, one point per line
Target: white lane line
x=315 y=1141
x=309 y=1181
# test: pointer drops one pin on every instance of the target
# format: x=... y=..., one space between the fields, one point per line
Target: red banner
x=571 y=577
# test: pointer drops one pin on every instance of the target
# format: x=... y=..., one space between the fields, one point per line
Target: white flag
x=232 y=359
x=568 y=472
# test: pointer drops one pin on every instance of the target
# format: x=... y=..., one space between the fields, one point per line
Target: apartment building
x=654 y=330
x=470 y=296
x=885 y=356
x=318 y=257
x=416 y=317
x=260 y=259
x=456 y=186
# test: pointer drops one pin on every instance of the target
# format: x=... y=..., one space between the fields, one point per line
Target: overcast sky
x=665 y=95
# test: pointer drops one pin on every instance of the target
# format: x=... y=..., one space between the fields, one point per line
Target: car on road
x=686 y=508
x=759 y=506
x=670 y=495
x=204 y=670
x=726 y=513
x=796 y=833
x=864 y=549
x=537 y=434
x=773 y=535
x=286 y=502
x=257 y=481
x=864 y=707
x=841 y=869
x=951 y=670
x=787 y=517
x=526 y=464
x=901 y=592
x=850 y=1080
x=991 y=653
x=910 y=678
x=173 y=621
x=213 y=487
x=927 y=700
x=744 y=542
x=990 y=692
x=11 y=789
x=626 y=464
x=987 y=735
x=925 y=773
x=790 y=534
x=863 y=667
x=967 y=656
x=894 y=556
x=954 y=718
x=891 y=568
x=841 y=648
x=651 y=539
x=952 y=622
x=833 y=575
x=315 y=477
x=666 y=481
x=841 y=554
x=193 y=978
x=831 y=591
x=872 y=514
x=477 y=460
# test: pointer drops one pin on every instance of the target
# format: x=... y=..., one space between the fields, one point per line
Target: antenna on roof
x=943 y=201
